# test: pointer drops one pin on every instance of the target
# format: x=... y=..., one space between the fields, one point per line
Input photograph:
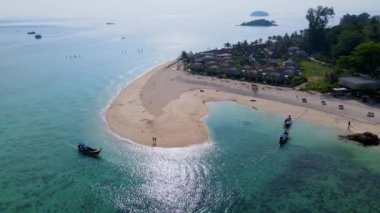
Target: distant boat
x=110 y=23
x=31 y=33
x=284 y=138
x=288 y=122
x=84 y=149
x=38 y=36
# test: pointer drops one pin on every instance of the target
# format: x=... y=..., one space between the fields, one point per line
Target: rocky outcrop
x=366 y=138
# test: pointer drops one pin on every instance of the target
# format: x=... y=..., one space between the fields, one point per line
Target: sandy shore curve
x=169 y=103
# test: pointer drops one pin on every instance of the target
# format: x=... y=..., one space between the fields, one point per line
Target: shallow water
x=313 y=171
x=49 y=102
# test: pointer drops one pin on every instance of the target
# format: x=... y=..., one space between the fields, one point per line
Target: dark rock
x=366 y=138
x=38 y=36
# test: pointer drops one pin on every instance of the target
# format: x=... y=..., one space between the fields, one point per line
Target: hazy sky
x=120 y=8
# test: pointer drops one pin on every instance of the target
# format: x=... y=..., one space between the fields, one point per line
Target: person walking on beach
x=154 y=141
x=349 y=125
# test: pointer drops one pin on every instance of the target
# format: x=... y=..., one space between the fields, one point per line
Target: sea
x=54 y=92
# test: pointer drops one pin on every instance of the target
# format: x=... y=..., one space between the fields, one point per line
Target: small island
x=259 y=23
x=38 y=36
x=259 y=13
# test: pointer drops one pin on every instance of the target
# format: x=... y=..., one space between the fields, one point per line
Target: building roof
x=214 y=67
x=233 y=71
x=293 y=48
x=208 y=58
x=357 y=83
x=222 y=55
x=288 y=72
x=289 y=62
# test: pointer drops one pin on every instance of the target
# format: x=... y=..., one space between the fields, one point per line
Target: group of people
x=154 y=141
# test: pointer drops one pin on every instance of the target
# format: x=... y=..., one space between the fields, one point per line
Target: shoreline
x=168 y=103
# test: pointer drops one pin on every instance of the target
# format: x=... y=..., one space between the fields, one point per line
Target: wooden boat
x=284 y=138
x=288 y=122
x=82 y=148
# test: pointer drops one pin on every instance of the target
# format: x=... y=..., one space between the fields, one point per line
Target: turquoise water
x=49 y=103
x=313 y=172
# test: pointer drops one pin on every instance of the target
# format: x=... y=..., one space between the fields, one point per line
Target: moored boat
x=84 y=149
x=288 y=122
x=284 y=138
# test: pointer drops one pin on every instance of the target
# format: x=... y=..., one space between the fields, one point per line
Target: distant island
x=259 y=23
x=259 y=13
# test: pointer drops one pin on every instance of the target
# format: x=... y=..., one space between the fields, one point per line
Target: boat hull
x=283 y=139
x=88 y=150
x=287 y=124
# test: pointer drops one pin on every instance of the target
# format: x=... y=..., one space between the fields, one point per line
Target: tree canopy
x=318 y=19
x=364 y=58
x=354 y=19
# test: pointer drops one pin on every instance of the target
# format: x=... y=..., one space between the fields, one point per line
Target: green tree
x=354 y=19
x=365 y=58
x=184 y=56
x=227 y=45
x=374 y=30
x=318 y=19
x=347 y=41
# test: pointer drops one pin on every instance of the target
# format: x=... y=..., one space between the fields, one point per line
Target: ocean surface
x=53 y=93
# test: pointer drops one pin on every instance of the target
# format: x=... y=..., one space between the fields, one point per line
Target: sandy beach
x=169 y=103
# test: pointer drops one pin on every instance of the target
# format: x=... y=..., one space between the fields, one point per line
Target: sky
x=124 y=8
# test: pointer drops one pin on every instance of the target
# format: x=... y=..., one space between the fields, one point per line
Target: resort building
x=360 y=82
x=297 y=51
x=288 y=62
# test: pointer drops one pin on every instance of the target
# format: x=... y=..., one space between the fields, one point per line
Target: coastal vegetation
x=353 y=44
x=319 y=77
x=259 y=23
x=313 y=59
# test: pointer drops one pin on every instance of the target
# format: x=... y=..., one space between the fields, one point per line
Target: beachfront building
x=269 y=51
x=298 y=52
x=360 y=82
x=252 y=58
x=288 y=62
x=258 y=63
